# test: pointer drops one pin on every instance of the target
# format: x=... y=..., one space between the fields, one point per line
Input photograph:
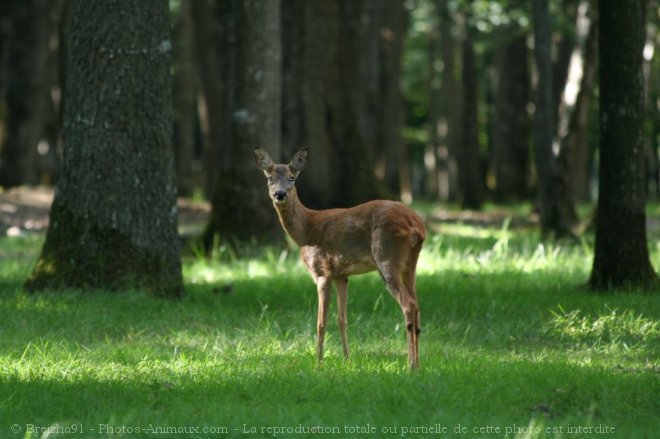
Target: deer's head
x=281 y=177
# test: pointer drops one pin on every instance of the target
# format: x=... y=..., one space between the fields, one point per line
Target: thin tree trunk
x=185 y=99
x=544 y=124
x=394 y=22
x=470 y=157
x=452 y=103
x=621 y=257
x=436 y=171
x=511 y=129
x=208 y=48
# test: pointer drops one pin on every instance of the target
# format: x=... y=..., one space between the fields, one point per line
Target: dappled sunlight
x=605 y=331
x=208 y=271
x=497 y=251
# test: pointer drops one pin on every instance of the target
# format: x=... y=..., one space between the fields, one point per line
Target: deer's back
x=341 y=242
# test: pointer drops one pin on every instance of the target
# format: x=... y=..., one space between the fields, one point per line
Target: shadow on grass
x=464 y=388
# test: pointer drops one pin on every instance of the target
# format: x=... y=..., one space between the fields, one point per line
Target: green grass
x=512 y=344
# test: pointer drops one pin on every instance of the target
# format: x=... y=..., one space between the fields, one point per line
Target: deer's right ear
x=262 y=159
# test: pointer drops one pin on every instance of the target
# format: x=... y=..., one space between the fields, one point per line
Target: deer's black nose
x=280 y=195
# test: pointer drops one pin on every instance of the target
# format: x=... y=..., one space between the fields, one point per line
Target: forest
x=154 y=281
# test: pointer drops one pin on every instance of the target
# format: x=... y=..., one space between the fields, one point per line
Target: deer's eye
x=292 y=179
x=270 y=180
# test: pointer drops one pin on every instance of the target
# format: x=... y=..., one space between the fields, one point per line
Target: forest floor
x=25 y=210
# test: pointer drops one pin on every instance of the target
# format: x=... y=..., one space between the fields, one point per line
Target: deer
x=381 y=235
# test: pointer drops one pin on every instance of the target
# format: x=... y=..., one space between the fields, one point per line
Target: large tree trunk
x=621 y=256
x=113 y=219
x=251 y=106
x=27 y=90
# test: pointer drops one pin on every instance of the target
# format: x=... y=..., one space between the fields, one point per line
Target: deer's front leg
x=323 y=288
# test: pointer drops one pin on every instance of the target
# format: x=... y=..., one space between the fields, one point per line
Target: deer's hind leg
x=394 y=266
x=409 y=281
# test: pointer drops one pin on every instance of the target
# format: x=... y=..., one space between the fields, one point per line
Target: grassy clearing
x=512 y=346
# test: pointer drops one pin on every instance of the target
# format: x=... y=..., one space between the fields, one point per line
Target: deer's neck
x=295 y=219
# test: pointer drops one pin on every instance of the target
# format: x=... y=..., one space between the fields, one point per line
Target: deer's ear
x=262 y=159
x=299 y=161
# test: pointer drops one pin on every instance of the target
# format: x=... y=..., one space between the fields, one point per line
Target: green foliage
x=510 y=339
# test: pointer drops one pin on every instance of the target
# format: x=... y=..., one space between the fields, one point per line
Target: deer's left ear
x=262 y=159
x=299 y=161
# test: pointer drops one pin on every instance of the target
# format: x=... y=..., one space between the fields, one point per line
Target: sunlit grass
x=510 y=338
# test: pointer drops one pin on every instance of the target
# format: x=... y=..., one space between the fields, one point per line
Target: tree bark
x=241 y=208
x=621 y=257
x=113 y=219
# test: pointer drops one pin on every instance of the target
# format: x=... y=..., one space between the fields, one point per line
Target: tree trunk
x=544 y=123
x=451 y=103
x=185 y=99
x=435 y=181
x=443 y=112
x=27 y=91
x=113 y=219
x=392 y=35
x=363 y=21
x=241 y=208
x=564 y=47
x=555 y=207
x=621 y=257
x=470 y=157
x=573 y=111
x=208 y=46
x=319 y=72
x=309 y=56
x=511 y=129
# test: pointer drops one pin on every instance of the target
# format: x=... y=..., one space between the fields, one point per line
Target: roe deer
x=336 y=243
